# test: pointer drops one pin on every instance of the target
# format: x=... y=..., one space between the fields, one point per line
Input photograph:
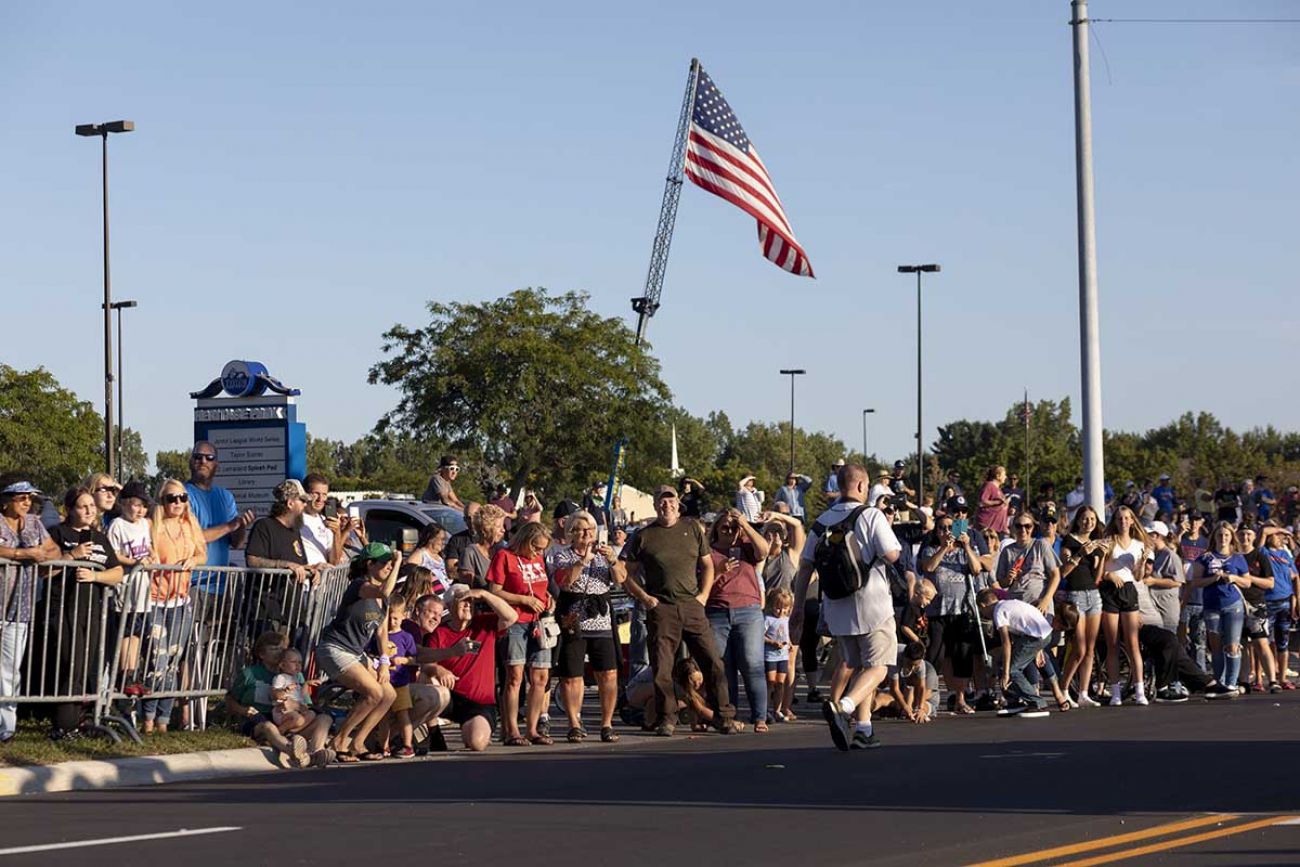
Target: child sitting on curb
x=250 y=699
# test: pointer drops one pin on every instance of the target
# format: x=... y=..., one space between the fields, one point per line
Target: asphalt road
x=958 y=791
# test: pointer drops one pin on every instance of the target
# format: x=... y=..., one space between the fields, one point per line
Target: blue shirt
x=1284 y=574
x=212 y=508
x=1264 y=509
x=1219 y=595
x=1164 y=495
x=832 y=484
x=793 y=497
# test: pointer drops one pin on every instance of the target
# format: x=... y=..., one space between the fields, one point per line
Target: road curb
x=137 y=771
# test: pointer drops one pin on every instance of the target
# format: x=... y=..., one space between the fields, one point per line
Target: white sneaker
x=1116 y=698
x=1086 y=700
x=1140 y=699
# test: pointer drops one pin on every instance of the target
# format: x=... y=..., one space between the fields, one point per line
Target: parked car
x=398 y=522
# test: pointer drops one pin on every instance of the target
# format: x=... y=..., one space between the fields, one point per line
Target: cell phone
x=960 y=526
x=473 y=645
x=85 y=536
x=602 y=535
x=354 y=513
x=331 y=509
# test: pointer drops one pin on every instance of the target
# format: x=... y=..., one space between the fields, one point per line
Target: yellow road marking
x=1107 y=842
x=1179 y=843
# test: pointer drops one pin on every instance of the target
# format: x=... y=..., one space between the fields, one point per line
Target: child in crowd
x=132 y=539
x=291 y=708
x=250 y=699
x=401 y=652
x=914 y=625
x=776 y=652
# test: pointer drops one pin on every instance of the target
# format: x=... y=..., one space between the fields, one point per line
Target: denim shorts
x=522 y=647
x=334 y=660
x=1087 y=601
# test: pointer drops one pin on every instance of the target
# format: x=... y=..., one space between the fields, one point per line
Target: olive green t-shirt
x=669 y=557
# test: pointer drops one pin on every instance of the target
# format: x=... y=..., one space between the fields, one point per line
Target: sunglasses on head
x=202 y=456
x=172 y=499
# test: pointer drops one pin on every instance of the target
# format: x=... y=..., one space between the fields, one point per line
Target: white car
x=398 y=522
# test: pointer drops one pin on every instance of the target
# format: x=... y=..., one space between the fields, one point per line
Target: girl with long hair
x=1127 y=558
x=1082 y=554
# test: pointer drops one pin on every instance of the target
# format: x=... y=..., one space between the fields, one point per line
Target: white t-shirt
x=1123 y=560
x=878 y=490
x=317 y=539
x=871 y=607
x=133 y=541
x=1021 y=618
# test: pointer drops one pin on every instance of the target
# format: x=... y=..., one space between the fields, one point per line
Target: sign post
x=252 y=419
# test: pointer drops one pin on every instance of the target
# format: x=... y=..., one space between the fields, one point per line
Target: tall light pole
x=102 y=130
x=918 y=270
x=119 y=306
x=792 y=374
x=864 y=441
x=1094 y=483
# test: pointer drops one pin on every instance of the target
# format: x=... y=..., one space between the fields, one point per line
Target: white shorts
x=875 y=649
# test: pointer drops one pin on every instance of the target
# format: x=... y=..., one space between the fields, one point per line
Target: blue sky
x=305 y=175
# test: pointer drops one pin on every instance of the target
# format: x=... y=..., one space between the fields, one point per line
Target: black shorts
x=1118 y=600
x=1256 y=626
x=574 y=649
x=251 y=723
x=462 y=710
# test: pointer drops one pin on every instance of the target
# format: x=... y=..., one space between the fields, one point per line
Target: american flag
x=721 y=159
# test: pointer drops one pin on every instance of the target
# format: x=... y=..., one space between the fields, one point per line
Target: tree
x=171 y=465
x=45 y=431
x=533 y=383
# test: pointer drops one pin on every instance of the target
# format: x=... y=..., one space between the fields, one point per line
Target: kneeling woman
x=342 y=650
x=586 y=573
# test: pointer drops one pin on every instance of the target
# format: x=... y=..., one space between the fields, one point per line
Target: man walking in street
x=860 y=621
x=670 y=572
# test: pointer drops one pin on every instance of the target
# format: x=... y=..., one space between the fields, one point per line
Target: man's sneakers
x=840 y=724
x=1170 y=695
x=665 y=729
x=1218 y=690
x=298 y=755
x=863 y=741
x=1116 y=697
x=1086 y=700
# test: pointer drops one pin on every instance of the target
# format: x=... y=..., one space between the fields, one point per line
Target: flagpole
x=1089 y=328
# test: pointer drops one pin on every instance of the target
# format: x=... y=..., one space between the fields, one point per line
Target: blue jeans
x=1024 y=653
x=1227 y=623
x=168 y=636
x=738 y=634
x=13 y=650
x=1279 y=621
x=1197 y=649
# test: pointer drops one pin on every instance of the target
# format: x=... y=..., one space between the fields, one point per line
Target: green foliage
x=534 y=385
x=45 y=431
x=135 y=461
x=171 y=465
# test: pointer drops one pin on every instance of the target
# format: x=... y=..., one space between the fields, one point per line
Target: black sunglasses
x=201 y=456
x=108 y=489
x=1024 y=526
x=172 y=499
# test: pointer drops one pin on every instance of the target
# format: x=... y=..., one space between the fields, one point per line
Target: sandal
x=608 y=735
x=373 y=756
x=760 y=727
x=518 y=741
x=1063 y=705
x=345 y=757
x=577 y=735
x=541 y=740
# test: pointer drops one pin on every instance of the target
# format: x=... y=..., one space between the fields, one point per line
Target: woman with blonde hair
x=1125 y=564
x=1082 y=554
x=487 y=528
x=177 y=542
x=105 y=489
x=518 y=576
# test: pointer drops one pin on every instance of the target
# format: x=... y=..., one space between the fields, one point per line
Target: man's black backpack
x=839 y=571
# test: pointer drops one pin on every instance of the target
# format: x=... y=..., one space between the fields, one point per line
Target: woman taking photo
x=428 y=554
x=178 y=542
x=487 y=528
x=1127 y=556
x=950 y=563
x=518 y=575
x=24 y=541
x=586 y=573
x=1222 y=573
x=785 y=539
x=1082 y=554
x=735 y=607
x=72 y=607
x=342 y=650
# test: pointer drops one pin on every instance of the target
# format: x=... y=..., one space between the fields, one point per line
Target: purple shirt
x=401 y=675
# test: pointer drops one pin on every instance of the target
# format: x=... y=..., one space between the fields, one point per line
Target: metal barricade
x=165 y=634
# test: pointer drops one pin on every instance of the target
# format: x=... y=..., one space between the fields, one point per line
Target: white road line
x=108 y=841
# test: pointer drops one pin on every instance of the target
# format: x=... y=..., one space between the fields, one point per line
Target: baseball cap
x=136 y=490
x=665 y=491
x=1164 y=477
x=898 y=465
x=839 y=462
x=1160 y=528
x=457 y=591
x=374 y=551
x=956 y=504
x=289 y=489
x=565 y=508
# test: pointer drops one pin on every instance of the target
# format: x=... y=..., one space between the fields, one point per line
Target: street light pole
x=864 y=441
x=792 y=374
x=119 y=306
x=918 y=270
x=102 y=130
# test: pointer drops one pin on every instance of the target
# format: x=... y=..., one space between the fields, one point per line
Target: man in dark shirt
x=670 y=572
x=275 y=542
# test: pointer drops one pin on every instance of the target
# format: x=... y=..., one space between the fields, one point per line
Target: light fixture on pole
x=918 y=270
x=792 y=374
x=864 y=441
x=119 y=306
x=102 y=130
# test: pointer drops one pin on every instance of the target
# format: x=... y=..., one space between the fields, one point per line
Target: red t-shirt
x=520 y=575
x=475 y=672
x=738 y=587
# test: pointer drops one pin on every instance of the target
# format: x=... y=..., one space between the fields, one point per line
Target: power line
x=1194 y=20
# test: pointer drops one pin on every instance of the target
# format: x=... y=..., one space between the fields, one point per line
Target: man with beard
x=275 y=542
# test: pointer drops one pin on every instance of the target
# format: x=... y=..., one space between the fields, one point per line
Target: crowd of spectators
x=1005 y=603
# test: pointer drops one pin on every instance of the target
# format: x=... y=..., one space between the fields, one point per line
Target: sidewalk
x=138 y=771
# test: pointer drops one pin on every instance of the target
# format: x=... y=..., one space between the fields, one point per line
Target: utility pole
x=1094 y=478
